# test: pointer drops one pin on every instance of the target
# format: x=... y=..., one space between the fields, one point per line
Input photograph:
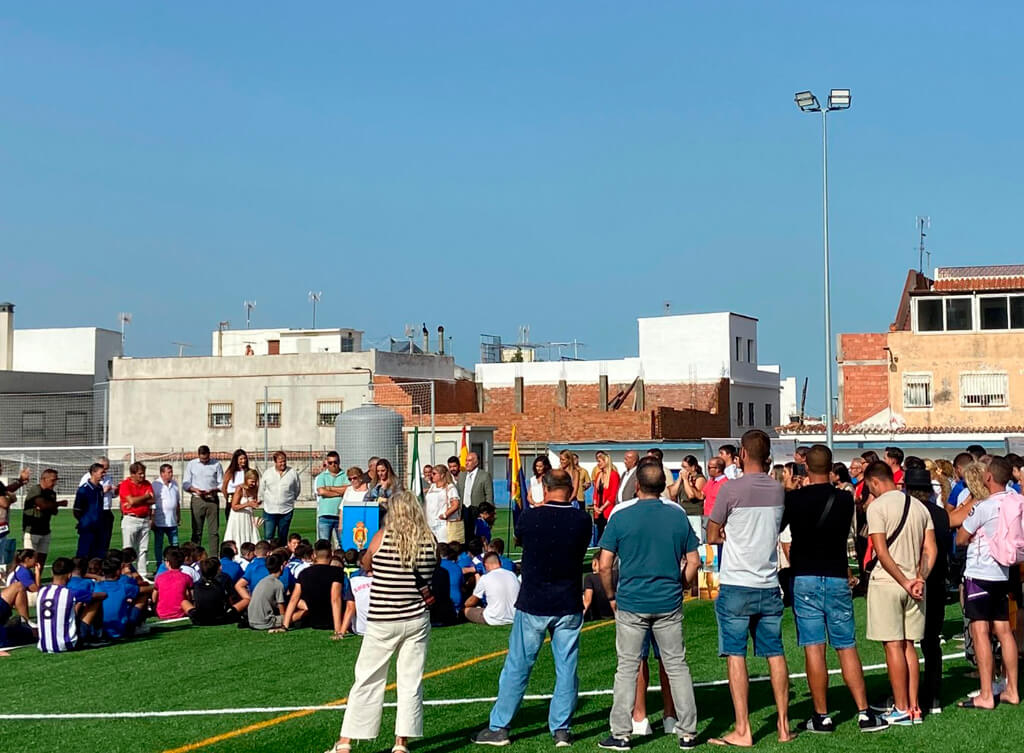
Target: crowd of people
x=810 y=535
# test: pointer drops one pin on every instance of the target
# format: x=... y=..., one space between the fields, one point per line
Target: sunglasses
x=333 y=462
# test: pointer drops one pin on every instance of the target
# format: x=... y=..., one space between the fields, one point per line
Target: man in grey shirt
x=203 y=478
x=266 y=609
x=279 y=490
x=746 y=518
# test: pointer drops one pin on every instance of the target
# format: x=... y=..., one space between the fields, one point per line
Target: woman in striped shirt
x=403 y=556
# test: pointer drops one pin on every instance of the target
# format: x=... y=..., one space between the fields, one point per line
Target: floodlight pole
x=828 y=284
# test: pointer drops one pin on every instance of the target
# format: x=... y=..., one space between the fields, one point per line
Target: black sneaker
x=818 y=724
x=869 y=721
x=688 y=742
x=488 y=736
x=615 y=743
x=563 y=738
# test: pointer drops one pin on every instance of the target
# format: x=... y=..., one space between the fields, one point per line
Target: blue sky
x=569 y=165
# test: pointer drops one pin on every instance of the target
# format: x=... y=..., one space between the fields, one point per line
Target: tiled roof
x=992 y=277
x=840 y=428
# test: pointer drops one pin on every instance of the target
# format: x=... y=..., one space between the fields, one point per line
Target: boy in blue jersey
x=448 y=554
x=78 y=581
x=125 y=602
x=498 y=547
x=484 y=521
x=228 y=566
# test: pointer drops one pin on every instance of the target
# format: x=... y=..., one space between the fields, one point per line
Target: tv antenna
x=668 y=307
x=314 y=298
x=181 y=347
x=410 y=332
x=124 y=318
x=923 y=224
x=248 y=306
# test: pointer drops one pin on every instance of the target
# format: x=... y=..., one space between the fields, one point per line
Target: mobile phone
x=799 y=469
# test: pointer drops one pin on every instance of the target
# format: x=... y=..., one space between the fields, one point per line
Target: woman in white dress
x=541 y=465
x=243 y=526
x=442 y=507
x=234 y=477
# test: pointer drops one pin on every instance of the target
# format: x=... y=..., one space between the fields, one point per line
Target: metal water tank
x=370 y=431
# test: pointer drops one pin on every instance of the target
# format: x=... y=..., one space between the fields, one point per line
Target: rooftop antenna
x=314 y=298
x=181 y=348
x=668 y=307
x=124 y=318
x=410 y=332
x=248 y=306
x=923 y=223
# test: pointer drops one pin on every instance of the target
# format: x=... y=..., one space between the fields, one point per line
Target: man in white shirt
x=727 y=452
x=203 y=479
x=627 y=483
x=360 y=585
x=500 y=588
x=279 y=490
x=166 y=510
x=987 y=589
x=106 y=528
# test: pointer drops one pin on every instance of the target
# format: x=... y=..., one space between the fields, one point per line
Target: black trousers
x=934 y=618
x=469 y=516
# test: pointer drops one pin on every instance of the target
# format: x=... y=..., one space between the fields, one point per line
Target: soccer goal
x=69 y=462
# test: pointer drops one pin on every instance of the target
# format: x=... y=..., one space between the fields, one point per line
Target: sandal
x=399 y=749
x=339 y=747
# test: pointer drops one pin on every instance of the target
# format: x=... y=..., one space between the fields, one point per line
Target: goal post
x=70 y=462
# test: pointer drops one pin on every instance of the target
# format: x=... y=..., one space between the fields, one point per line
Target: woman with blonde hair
x=243 y=526
x=442 y=506
x=606 y=489
x=941 y=484
x=402 y=556
x=567 y=462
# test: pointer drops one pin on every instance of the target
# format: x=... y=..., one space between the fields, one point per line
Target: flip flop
x=969 y=704
x=723 y=743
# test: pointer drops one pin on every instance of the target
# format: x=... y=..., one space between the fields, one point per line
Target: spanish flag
x=463 y=450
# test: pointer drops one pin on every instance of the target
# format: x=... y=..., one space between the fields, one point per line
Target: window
x=751 y=355
x=992 y=312
x=219 y=415
x=917 y=390
x=769 y=419
x=750 y=414
x=739 y=349
x=929 y=315
x=348 y=343
x=958 y=314
x=739 y=413
x=76 y=425
x=1017 y=311
x=271 y=411
x=327 y=412
x=983 y=390
x=33 y=424
x=273 y=347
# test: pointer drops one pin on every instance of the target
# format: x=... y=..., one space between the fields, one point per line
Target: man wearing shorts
x=987 y=589
x=903 y=537
x=746 y=519
x=819 y=517
x=40 y=506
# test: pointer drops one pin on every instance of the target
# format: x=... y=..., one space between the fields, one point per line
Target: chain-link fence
x=71 y=463
x=53 y=419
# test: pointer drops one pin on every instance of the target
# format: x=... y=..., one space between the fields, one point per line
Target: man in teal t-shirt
x=329 y=485
x=654 y=541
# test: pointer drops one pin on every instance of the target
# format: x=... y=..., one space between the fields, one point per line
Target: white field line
x=428 y=702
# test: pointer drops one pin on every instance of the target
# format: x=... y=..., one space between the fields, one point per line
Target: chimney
x=6 y=336
x=440 y=341
x=426 y=339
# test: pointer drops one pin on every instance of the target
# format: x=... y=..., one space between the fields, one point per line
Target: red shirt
x=897 y=477
x=129 y=488
x=711 y=488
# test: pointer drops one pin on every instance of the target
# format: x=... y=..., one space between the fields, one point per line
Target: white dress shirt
x=279 y=491
x=622 y=482
x=467 y=490
x=168 y=502
x=205 y=476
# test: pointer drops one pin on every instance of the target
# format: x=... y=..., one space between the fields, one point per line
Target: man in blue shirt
x=653 y=540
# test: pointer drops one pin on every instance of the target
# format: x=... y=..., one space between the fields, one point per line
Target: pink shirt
x=172 y=587
x=711 y=488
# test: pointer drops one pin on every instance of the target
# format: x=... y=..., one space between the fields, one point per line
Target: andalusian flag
x=518 y=489
x=463 y=450
x=416 y=481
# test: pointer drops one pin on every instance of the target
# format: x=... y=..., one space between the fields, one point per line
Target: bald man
x=627 y=483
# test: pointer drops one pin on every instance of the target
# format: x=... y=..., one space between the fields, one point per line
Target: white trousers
x=135 y=533
x=366 y=698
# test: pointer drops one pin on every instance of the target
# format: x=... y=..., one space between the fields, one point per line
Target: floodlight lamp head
x=839 y=99
x=807 y=102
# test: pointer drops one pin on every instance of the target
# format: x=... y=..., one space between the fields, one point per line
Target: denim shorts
x=743 y=611
x=823 y=606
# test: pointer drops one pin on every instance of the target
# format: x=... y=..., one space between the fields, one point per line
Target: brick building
x=952 y=360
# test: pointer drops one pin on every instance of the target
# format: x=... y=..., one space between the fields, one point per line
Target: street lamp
x=838 y=99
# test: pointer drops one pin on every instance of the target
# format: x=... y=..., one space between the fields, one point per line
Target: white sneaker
x=670 y=725
x=642 y=727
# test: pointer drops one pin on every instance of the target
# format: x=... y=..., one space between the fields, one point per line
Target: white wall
x=72 y=350
x=759 y=396
x=232 y=342
x=788 y=400
x=685 y=348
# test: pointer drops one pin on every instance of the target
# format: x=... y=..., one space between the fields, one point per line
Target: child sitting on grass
x=28 y=573
x=125 y=603
x=246 y=554
x=266 y=607
x=212 y=597
x=172 y=589
x=78 y=580
x=484 y=521
x=66 y=611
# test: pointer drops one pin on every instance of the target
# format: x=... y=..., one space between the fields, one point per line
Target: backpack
x=1007 y=546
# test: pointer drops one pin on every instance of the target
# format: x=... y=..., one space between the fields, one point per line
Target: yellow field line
x=256 y=727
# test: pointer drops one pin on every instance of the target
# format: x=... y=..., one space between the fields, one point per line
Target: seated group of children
x=459 y=572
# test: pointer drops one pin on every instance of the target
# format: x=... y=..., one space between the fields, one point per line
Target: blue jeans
x=276 y=525
x=528 y=634
x=326 y=527
x=171 y=532
x=823 y=606
x=743 y=611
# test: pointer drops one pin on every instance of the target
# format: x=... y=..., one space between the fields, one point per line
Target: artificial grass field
x=182 y=667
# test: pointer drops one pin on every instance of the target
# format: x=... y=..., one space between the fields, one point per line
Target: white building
x=687 y=349
x=289 y=400
x=263 y=342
